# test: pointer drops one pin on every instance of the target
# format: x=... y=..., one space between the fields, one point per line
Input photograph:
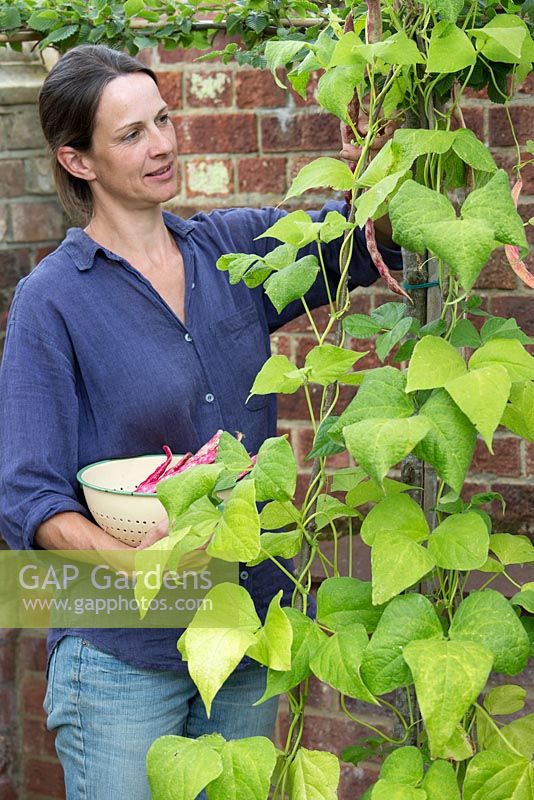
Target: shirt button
x=192 y=285
x=243 y=575
x=209 y=398
x=188 y=337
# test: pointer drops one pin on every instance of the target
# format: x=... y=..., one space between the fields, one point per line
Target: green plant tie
x=428 y=285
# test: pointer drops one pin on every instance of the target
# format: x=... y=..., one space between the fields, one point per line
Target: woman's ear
x=75 y=163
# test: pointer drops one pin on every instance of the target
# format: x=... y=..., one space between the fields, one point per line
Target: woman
x=124 y=338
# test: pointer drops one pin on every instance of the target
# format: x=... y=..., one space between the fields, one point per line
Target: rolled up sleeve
x=38 y=435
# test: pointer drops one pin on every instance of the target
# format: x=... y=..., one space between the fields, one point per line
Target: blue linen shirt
x=97 y=366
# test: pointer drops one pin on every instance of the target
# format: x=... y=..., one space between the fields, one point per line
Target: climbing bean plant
x=415 y=627
x=448 y=382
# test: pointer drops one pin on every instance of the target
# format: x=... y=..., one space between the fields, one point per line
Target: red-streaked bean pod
x=379 y=262
x=374 y=21
x=353 y=110
x=512 y=252
x=149 y=484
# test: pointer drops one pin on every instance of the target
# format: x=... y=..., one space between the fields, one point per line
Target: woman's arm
x=40 y=504
x=72 y=531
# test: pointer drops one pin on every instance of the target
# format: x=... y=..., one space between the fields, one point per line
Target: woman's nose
x=160 y=141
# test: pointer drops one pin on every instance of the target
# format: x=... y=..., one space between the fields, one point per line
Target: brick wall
x=241 y=141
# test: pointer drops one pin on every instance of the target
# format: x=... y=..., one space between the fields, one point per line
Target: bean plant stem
x=362 y=722
x=494 y=725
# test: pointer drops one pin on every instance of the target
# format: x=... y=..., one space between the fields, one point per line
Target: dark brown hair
x=68 y=102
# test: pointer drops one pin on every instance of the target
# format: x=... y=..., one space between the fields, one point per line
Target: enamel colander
x=109 y=487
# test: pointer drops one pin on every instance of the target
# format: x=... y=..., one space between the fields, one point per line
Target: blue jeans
x=108 y=713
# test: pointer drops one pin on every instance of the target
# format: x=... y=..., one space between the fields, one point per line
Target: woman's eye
x=131 y=136
x=164 y=118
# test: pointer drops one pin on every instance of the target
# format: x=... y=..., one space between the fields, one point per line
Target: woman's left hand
x=159 y=531
x=352 y=152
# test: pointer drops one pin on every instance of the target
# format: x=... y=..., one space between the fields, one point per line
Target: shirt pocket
x=246 y=347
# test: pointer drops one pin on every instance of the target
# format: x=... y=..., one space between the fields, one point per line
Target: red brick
x=321 y=695
x=7 y=661
x=293 y=406
x=219 y=133
x=7 y=706
x=475 y=94
x=500 y=134
x=368 y=361
x=333 y=733
x=283 y=430
x=262 y=175
x=33 y=690
x=257 y=89
x=516 y=306
x=33 y=653
x=281 y=345
x=287 y=132
x=355 y=780
x=42 y=252
x=303 y=481
x=497 y=274
x=34 y=222
x=471 y=487
x=519 y=515
x=14 y=265
x=12 y=177
x=170 y=88
x=474 y=120
x=146 y=56
x=7 y=788
x=302 y=324
x=530 y=458
x=528 y=86
x=209 y=89
x=44 y=777
x=186 y=211
x=37 y=739
x=505 y=461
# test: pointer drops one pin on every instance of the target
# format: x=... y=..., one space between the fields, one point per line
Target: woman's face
x=133 y=137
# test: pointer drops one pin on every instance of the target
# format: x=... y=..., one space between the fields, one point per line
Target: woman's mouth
x=162 y=173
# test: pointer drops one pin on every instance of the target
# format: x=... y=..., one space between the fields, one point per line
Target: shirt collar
x=82 y=249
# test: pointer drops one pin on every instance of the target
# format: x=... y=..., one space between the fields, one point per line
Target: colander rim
x=84 y=482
